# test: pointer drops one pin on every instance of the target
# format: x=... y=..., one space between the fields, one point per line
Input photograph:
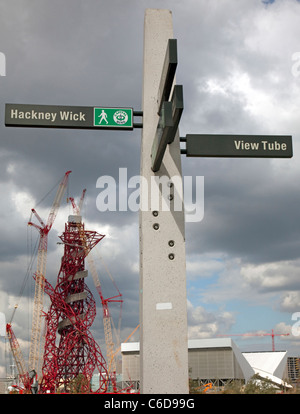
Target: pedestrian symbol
x=103 y=116
x=113 y=118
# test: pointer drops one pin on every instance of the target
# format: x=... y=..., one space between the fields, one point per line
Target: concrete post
x=163 y=304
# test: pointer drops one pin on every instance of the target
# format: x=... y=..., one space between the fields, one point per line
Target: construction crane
x=19 y=359
x=272 y=334
x=77 y=208
x=107 y=320
x=126 y=340
x=44 y=230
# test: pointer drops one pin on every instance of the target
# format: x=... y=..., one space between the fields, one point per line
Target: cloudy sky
x=239 y=64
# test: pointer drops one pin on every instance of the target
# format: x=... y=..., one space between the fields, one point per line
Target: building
x=271 y=365
x=293 y=370
x=130 y=365
x=215 y=360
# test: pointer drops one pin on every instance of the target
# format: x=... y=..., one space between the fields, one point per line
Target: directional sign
x=169 y=111
x=177 y=109
x=168 y=73
x=257 y=146
x=161 y=139
x=53 y=116
x=167 y=126
x=113 y=118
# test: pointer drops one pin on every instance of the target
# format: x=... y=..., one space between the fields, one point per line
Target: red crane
x=272 y=334
x=19 y=359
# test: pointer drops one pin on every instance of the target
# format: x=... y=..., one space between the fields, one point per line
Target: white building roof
x=192 y=344
x=272 y=363
x=210 y=343
x=130 y=347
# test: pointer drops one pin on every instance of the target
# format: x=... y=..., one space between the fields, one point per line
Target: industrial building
x=217 y=361
x=293 y=369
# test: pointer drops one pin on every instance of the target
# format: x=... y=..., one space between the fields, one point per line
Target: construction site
x=64 y=356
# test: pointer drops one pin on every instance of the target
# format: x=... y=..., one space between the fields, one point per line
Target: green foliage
x=233 y=387
x=258 y=385
x=79 y=385
x=194 y=387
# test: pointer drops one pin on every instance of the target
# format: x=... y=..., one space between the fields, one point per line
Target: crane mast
x=18 y=357
x=38 y=303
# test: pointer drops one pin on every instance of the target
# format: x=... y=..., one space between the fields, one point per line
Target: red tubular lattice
x=77 y=356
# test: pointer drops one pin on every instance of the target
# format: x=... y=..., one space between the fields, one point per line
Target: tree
x=258 y=385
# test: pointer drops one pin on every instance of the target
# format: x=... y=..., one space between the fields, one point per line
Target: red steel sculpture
x=75 y=357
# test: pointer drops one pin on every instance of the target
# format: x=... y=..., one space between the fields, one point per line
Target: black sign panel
x=48 y=116
x=177 y=109
x=168 y=73
x=257 y=146
x=162 y=136
x=53 y=116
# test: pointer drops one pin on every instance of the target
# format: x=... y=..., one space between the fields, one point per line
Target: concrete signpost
x=163 y=300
